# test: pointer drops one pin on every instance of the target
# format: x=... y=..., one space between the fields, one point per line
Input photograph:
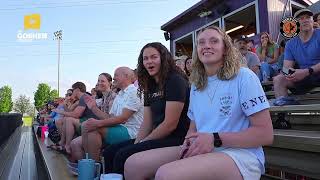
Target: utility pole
x=58 y=36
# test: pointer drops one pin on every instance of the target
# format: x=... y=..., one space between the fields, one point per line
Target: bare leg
x=77 y=151
x=218 y=166
x=281 y=85
x=92 y=143
x=62 y=130
x=144 y=165
x=59 y=124
x=71 y=125
x=209 y=166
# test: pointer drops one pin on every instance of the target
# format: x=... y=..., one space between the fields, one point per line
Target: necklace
x=211 y=95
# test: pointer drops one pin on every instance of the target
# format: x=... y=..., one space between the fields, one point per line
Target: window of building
x=184 y=46
x=241 y=22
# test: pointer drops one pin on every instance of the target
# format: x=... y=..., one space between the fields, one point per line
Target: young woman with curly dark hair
x=165 y=90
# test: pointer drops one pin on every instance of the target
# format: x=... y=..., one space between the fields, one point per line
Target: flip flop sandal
x=58 y=148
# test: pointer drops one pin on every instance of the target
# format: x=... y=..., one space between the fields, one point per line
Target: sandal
x=58 y=148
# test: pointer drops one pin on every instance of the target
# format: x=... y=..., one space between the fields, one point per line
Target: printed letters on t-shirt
x=253 y=102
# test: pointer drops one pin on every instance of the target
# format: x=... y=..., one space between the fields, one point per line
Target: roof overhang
x=190 y=13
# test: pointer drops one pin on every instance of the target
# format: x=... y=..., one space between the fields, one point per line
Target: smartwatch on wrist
x=310 y=69
x=217 y=141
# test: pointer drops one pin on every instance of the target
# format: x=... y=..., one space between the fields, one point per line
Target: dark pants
x=305 y=85
x=116 y=155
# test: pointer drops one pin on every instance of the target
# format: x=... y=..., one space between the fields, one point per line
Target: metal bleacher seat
x=295 y=151
x=55 y=163
x=17 y=157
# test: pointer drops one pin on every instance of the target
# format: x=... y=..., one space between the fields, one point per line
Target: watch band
x=217 y=140
x=310 y=69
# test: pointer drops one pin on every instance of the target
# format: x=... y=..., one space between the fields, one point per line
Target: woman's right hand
x=264 y=44
x=184 y=148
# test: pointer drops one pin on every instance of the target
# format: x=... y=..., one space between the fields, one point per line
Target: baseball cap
x=302 y=11
x=242 y=38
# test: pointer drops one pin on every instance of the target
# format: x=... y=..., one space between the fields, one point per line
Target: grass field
x=27 y=121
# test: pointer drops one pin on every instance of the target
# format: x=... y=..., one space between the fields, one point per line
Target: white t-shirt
x=233 y=101
x=129 y=99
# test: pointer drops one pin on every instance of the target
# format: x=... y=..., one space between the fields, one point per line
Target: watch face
x=310 y=71
x=217 y=143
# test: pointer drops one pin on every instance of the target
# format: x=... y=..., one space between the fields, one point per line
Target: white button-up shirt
x=129 y=99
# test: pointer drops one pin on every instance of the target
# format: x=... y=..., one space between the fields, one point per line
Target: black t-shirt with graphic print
x=176 y=88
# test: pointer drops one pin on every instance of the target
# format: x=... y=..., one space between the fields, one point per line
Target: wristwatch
x=310 y=69
x=217 y=141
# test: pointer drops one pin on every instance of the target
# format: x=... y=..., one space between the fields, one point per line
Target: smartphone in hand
x=287 y=71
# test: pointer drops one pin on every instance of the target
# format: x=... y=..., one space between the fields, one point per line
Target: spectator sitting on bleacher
x=251 y=46
x=251 y=58
x=104 y=87
x=123 y=122
x=281 y=55
x=188 y=66
x=230 y=121
x=302 y=56
x=73 y=119
x=60 y=106
x=180 y=62
x=268 y=54
x=93 y=92
x=165 y=89
x=51 y=114
x=69 y=104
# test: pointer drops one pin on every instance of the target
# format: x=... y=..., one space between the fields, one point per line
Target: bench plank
x=8 y=151
x=55 y=162
x=312 y=93
x=292 y=161
x=19 y=161
x=297 y=140
x=296 y=108
x=28 y=167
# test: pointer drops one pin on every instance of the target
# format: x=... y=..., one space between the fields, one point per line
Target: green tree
x=43 y=95
x=23 y=105
x=54 y=94
x=5 y=99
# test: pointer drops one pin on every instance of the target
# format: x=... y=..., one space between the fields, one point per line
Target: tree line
x=23 y=104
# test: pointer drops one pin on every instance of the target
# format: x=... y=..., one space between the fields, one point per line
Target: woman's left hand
x=203 y=143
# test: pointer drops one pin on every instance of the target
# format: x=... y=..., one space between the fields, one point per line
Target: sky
x=97 y=36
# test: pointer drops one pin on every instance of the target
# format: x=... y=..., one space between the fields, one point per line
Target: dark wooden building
x=237 y=17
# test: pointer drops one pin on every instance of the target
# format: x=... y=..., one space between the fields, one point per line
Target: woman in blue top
x=230 y=121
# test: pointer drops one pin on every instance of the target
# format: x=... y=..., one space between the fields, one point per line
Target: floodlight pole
x=58 y=36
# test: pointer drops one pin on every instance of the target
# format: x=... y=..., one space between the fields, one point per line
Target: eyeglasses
x=68 y=94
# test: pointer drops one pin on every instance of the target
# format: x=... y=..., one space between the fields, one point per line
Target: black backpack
x=54 y=134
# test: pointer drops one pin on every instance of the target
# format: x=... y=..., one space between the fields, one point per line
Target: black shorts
x=306 y=84
x=116 y=155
